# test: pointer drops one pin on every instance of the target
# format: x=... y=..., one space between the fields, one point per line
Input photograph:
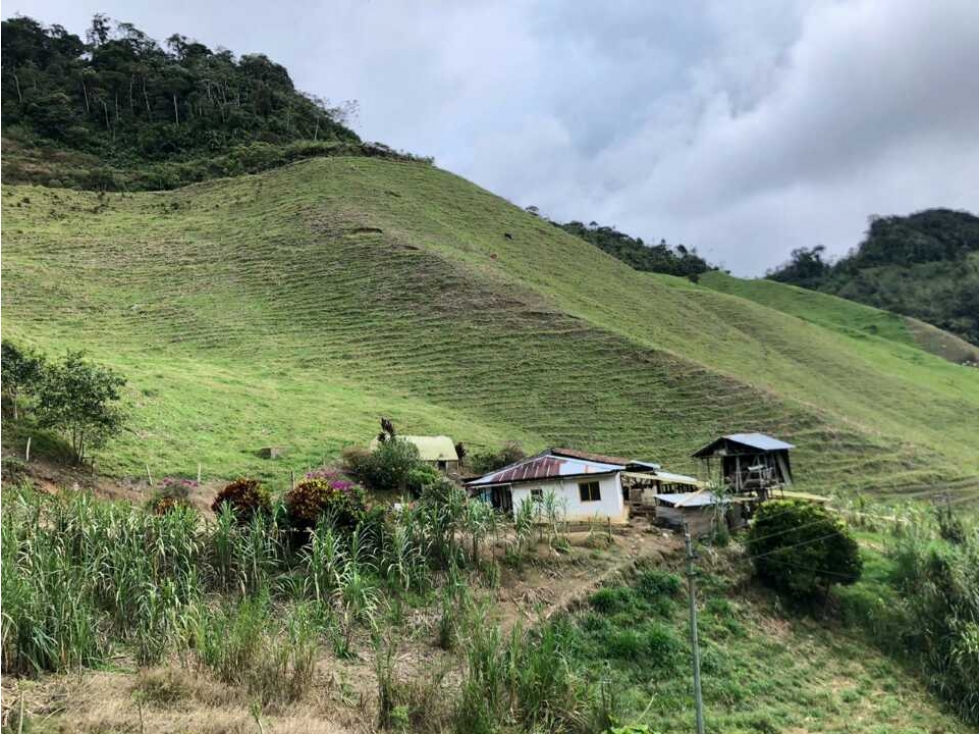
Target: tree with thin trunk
x=22 y=371
x=81 y=400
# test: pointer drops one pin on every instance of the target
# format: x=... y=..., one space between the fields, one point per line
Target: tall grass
x=925 y=608
x=525 y=679
x=83 y=577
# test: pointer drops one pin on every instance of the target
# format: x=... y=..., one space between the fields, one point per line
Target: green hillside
x=847 y=317
x=294 y=307
x=924 y=265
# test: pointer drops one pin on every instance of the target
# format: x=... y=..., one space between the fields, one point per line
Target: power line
x=794 y=545
x=816 y=570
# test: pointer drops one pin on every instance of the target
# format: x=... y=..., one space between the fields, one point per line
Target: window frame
x=585 y=493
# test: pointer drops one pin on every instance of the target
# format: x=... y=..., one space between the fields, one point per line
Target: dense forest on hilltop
x=119 y=111
x=924 y=265
x=120 y=93
x=661 y=258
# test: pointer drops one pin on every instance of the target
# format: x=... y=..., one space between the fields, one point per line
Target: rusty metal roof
x=588 y=456
x=548 y=465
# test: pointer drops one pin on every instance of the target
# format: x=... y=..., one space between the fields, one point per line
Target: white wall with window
x=586 y=497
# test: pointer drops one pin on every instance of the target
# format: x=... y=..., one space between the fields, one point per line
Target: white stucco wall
x=611 y=504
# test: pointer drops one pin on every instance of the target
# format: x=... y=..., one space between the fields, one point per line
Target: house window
x=590 y=492
x=537 y=495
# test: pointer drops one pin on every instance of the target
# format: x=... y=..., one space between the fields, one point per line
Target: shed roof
x=690 y=499
x=430 y=448
x=757 y=441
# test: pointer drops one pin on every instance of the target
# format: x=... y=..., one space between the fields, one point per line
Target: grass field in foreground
x=293 y=308
x=762 y=670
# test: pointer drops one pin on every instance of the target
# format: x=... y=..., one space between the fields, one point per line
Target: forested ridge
x=924 y=265
x=120 y=93
x=120 y=111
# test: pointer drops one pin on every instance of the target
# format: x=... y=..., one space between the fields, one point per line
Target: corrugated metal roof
x=430 y=448
x=546 y=466
x=759 y=441
x=689 y=499
x=588 y=456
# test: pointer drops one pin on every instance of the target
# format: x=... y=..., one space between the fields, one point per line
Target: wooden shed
x=748 y=463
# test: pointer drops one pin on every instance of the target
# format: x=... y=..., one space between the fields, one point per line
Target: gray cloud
x=745 y=129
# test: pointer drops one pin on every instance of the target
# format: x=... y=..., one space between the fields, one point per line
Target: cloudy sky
x=745 y=129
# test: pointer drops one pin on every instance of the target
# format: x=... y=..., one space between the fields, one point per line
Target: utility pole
x=694 y=643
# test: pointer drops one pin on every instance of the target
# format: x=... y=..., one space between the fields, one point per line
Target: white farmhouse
x=587 y=486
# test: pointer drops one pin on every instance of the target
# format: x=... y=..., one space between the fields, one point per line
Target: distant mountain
x=925 y=265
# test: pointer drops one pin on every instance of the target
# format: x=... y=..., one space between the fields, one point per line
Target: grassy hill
x=924 y=265
x=847 y=317
x=294 y=307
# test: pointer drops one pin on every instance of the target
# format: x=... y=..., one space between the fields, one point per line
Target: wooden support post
x=27 y=452
x=148 y=475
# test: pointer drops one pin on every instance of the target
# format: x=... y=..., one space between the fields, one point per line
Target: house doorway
x=502 y=499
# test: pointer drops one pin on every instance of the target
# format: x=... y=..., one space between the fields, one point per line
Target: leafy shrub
x=625 y=645
x=354 y=459
x=485 y=462
x=21 y=373
x=420 y=477
x=246 y=497
x=655 y=584
x=611 y=600
x=390 y=465
x=935 y=617
x=173 y=493
x=661 y=647
x=801 y=549
x=342 y=501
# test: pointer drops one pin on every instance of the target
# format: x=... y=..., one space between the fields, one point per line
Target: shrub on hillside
x=937 y=613
x=173 y=493
x=389 y=466
x=420 y=477
x=485 y=462
x=246 y=497
x=802 y=549
x=21 y=374
x=354 y=459
x=342 y=501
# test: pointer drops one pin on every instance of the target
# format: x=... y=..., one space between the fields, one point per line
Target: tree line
x=635 y=253
x=924 y=265
x=121 y=95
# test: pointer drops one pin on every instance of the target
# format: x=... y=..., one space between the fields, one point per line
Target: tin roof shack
x=439 y=451
x=586 y=486
x=701 y=512
x=752 y=463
